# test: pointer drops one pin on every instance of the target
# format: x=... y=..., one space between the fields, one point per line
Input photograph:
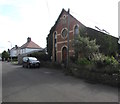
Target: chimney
x=9 y=51
x=16 y=46
x=68 y=10
x=28 y=39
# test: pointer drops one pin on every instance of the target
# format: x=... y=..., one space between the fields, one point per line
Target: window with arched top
x=55 y=35
x=55 y=45
x=76 y=30
x=55 y=38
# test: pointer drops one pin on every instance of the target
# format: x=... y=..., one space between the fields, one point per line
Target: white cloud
x=30 y=24
x=34 y=18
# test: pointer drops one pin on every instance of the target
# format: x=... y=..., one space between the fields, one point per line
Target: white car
x=30 y=62
x=0 y=59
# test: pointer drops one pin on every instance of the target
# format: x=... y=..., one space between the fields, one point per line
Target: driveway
x=49 y=85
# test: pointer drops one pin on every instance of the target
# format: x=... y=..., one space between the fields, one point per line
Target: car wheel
x=28 y=66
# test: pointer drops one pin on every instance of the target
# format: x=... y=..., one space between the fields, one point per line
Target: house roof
x=14 y=48
x=30 y=44
x=63 y=10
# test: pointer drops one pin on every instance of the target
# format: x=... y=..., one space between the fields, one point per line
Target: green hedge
x=108 y=44
x=41 y=56
x=52 y=65
x=106 y=75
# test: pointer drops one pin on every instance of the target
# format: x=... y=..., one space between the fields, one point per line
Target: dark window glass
x=55 y=35
x=55 y=40
x=76 y=30
x=64 y=33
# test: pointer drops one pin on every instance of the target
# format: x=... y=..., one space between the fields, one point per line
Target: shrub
x=56 y=65
x=73 y=59
x=78 y=71
x=45 y=64
x=98 y=59
x=49 y=64
x=41 y=56
x=5 y=55
x=14 y=59
x=85 y=46
x=102 y=61
x=94 y=77
x=83 y=61
x=110 y=79
x=111 y=61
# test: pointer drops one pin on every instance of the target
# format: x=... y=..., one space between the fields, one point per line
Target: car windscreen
x=32 y=59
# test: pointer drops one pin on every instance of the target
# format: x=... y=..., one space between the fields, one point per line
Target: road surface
x=48 y=85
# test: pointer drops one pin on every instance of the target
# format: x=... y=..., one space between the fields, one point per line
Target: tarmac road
x=49 y=85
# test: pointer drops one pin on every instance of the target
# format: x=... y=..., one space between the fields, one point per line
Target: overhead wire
x=91 y=21
x=48 y=9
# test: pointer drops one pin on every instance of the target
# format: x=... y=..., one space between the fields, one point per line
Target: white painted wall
x=27 y=50
x=16 y=52
x=13 y=53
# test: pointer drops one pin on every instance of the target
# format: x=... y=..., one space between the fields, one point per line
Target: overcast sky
x=20 y=19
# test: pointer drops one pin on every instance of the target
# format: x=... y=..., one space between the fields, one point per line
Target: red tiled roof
x=30 y=44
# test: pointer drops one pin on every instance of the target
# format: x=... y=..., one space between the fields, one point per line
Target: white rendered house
x=26 y=48
x=29 y=46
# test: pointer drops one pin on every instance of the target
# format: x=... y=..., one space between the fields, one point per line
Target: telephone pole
x=10 y=50
x=68 y=40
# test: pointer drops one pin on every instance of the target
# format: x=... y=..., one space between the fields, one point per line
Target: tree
x=85 y=47
x=108 y=44
x=50 y=42
x=5 y=55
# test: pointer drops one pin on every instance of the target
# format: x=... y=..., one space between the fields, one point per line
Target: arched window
x=55 y=38
x=55 y=45
x=55 y=34
x=64 y=55
x=64 y=33
x=76 y=30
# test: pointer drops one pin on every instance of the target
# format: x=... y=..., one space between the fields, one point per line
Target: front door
x=64 y=55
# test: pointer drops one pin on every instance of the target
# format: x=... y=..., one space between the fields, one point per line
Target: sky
x=20 y=19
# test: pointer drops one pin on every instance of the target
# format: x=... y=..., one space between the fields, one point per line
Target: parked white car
x=0 y=59
x=30 y=62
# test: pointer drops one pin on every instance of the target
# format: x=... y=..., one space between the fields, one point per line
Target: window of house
x=64 y=33
x=55 y=38
x=55 y=45
x=55 y=35
x=55 y=41
x=64 y=16
x=76 y=30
